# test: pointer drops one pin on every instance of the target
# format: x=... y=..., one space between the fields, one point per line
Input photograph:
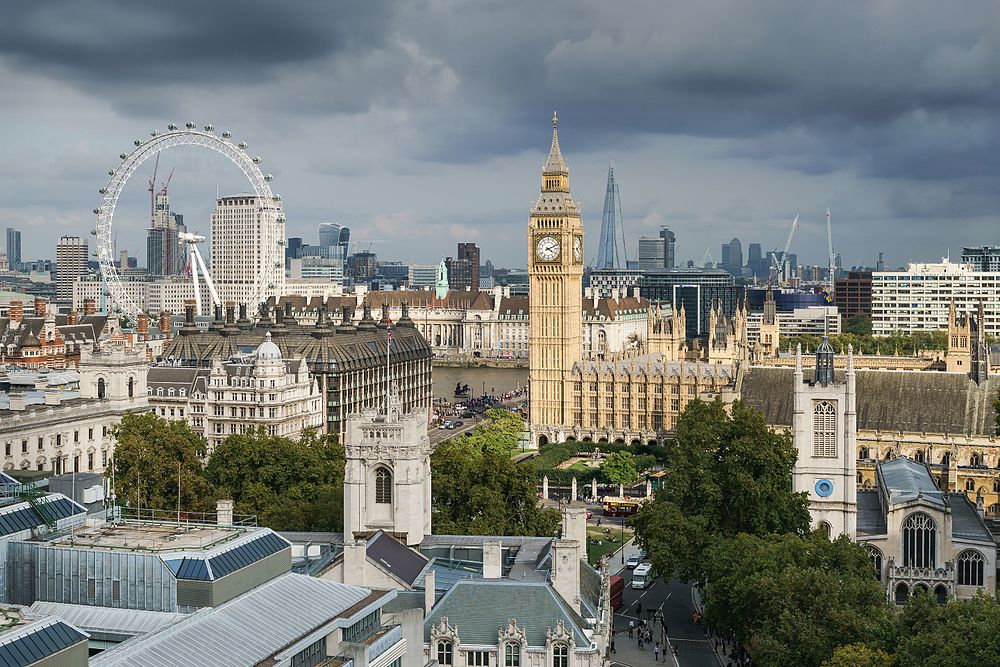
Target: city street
x=675 y=602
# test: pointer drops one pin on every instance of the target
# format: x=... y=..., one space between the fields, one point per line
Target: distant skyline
x=426 y=123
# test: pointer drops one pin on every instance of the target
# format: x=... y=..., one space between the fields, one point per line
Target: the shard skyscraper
x=611 y=251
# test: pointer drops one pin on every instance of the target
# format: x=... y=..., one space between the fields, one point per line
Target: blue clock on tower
x=824 y=488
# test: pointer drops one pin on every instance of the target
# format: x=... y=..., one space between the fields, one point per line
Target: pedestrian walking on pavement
x=631 y=627
x=656 y=652
x=639 y=636
x=612 y=644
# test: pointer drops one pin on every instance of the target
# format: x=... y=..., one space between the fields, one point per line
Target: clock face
x=824 y=488
x=578 y=249
x=547 y=249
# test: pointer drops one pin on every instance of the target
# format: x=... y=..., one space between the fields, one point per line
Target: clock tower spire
x=555 y=280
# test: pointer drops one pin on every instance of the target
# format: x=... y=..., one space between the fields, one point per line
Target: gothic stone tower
x=555 y=280
x=824 y=427
x=387 y=480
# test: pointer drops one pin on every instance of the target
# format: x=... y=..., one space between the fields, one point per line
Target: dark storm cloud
x=901 y=96
x=118 y=43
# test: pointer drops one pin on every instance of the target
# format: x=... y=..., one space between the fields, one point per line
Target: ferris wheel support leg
x=197 y=288
x=216 y=301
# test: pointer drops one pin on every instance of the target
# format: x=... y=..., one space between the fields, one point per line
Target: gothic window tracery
x=824 y=429
x=970 y=568
x=919 y=540
x=383 y=486
x=876 y=555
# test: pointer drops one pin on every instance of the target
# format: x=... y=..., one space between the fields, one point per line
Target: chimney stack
x=165 y=323
x=492 y=559
x=18 y=402
x=574 y=526
x=566 y=571
x=430 y=594
x=16 y=311
x=224 y=512
x=89 y=306
x=354 y=562
x=189 y=312
x=142 y=326
x=40 y=304
x=53 y=396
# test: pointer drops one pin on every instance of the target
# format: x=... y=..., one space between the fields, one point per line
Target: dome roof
x=268 y=351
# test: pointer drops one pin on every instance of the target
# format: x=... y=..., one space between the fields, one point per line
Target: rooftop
x=155 y=537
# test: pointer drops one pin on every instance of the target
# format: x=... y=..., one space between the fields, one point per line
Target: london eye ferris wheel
x=270 y=254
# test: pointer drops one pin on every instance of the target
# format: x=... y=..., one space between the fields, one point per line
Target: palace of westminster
x=944 y=417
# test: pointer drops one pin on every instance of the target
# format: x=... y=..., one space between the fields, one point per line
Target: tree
x=727 y=474
x=793 y=599
x=620 y=468
x=289 y=484
x=859 y=655
x=151 y=454
x=859 y=325
x=479 y=490
x=952 y=635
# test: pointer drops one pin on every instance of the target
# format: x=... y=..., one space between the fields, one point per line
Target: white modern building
x=71 y=263
x=422 y=276
x=810 y=321
x=241 y=231
x=918 y=299
x=152 y=294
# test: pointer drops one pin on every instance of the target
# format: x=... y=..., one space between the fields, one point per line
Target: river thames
x=490 y=380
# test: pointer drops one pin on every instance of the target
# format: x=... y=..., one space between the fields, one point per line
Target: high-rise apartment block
x=239 y=239
x=13 y=249
x=919 y=298
x=984 y=258
x=164 y=255
x=853 y=294
x=71 y=263
x=469 y=252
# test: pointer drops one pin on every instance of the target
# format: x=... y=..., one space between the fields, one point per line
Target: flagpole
x=388 y=345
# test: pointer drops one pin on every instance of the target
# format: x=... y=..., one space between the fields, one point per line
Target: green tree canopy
x=859 y=655
x=958 y=634
x=793 y=599
x=859 y=325
x=289 y=484
x=620 y=468
x=479 y=490
x=150 y=454
x=898 y=343
x=727 y=474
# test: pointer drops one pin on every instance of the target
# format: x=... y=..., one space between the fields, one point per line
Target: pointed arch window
x=102 y=388
x=876 y=555
x=919 y=540
x=970 y=568
x=824 y=429
x=131 y=387
x=383 y=486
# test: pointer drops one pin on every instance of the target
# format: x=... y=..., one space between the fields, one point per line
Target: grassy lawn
x=580 y=466
x=609 y=543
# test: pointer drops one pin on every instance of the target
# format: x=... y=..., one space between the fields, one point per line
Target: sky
x=422 y=124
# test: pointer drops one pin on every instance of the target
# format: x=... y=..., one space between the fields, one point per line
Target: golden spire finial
x=555 y=119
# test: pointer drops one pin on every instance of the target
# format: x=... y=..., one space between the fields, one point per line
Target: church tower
x=824 y=427
x=555 y=280
x=387 y=480
x=770 y=334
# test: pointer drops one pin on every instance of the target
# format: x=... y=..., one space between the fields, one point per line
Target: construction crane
x=779 y=267
x=707 y=258
x=152 y=188
x=832 y=260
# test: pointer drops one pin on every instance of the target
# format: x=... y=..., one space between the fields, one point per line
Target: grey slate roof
x=399 y=560
x=889 y=400
x=903 y=481
x=480 y=608
x=871 y=518
x=243 y=631
x=965 y=520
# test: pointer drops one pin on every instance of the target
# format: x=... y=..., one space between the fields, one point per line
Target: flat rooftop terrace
x=152 y=537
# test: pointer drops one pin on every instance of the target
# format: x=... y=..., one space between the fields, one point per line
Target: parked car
x=448 y=424
x=457 y=423
x=633 y=561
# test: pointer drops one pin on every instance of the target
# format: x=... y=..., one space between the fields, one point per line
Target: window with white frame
x=824 y=429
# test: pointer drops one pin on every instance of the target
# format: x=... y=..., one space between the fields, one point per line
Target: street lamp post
x=623 y=539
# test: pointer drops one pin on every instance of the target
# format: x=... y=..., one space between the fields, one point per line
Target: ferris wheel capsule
x=256 y=159
x=122 y=156
x=97 y=211
x=137 y=142
x=226 y=134
x=268 y=177
x=111 y=172
x=242 y=145
x=189 y=125
x=210 y=128
x=103 y=191
x=154 y=133
x=171 y=127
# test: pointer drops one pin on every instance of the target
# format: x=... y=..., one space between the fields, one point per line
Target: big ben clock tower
x=555 y=280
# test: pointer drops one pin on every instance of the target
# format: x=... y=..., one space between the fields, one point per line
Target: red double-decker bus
x=617 y=591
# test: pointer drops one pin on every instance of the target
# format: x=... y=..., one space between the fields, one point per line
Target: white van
x=633 y=561
x=642 y=576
